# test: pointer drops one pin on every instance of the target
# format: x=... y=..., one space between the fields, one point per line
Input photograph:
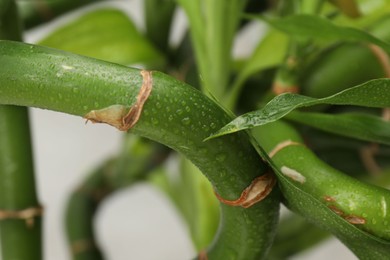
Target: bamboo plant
x=303 y=121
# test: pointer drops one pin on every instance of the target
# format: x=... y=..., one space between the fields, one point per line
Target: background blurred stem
x=158 y=18
x=20 y=212
x=137 y=158
x=35 y=12
x=213 y=26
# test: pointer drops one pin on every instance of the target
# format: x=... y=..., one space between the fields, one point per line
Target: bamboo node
x=279 y=88
x=280 y=146
x=203 y=255
x=382 y=57
x=26 y=214
x=81 y=246
x=116 y=115
x=258 y=190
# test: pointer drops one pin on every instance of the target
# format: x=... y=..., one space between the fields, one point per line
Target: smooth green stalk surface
x=174 y=114
x=20 y=238
x=356 y=212
x=158 y=18
x=20 y=235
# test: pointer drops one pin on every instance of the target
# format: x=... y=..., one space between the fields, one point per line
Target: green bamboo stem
x=360 y=209
x=344 y=66
x=20 y=236
x=80 y=212
x=37 y=12
x=137 y=159
x=213 y=26
x=174 y=114
x=20 y=212
x=294 y=236
x=158 y=18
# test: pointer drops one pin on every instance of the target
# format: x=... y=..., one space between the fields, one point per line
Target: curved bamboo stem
x=174 y=114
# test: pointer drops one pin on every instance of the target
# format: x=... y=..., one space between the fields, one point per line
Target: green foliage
x=309 y=26
x=93 y=35
x=375 y=93
x=335 y=54
x=354 y=125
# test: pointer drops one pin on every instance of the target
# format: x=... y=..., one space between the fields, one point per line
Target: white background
x=138 y=223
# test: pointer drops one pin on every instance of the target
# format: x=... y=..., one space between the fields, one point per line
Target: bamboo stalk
x=20 y=212
x=37 y=12
x=158 y=18
x=174 y=114
x=138 y=158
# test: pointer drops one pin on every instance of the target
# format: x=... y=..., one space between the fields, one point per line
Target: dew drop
x=155 y=121
x=213 y=126
x=179 y=111
x=206 y=128
x=203 y=150
x=221 y=157
x=186 y=121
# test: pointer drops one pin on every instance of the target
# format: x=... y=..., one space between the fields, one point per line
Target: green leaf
x=106 y=34
x=374 y=93
x=355 y=125
x=269 y=53
x=308 y=26
x=307 y=198
x=364 y=245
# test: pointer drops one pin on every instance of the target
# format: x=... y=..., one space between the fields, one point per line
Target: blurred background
x=135 y=223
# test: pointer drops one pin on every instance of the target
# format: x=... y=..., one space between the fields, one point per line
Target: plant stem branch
x=20 y=212
x=174 y=114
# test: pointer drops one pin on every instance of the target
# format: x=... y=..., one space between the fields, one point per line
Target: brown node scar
x=386 y=114
x=382 y=57
x=281 y=146
x=43 y=9
x=255 y=192
x=26 y=214
x=356 y=220
x=116 y=115
x=203 y=255
x=336 y=210
x=367 y=155
x=81 y=246
x=278 y=89
x=329 y=199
